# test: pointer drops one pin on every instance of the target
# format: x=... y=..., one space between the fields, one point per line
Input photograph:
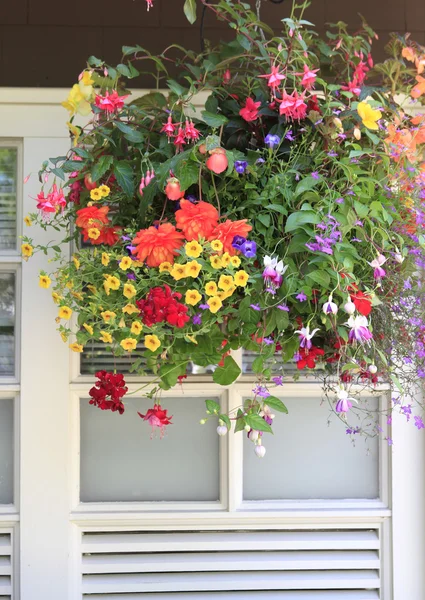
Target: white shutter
x=5 y=565
x=294 y=565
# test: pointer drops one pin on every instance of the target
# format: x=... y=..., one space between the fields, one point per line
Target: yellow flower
x=130 y=309
x=70 y=284
x=225 y=282
x=211 y=288
x=92 y=289
x=368 y=115
x=106 y=337
x=121 y=324
x=192 y=297
x=165 y=266
x=152 y=342
x=113 y=282
x=193 y=268
x=224 y=295
x=75 y=131
x=64 y=336
x=93 y=233
x=235 y=261
x=241 y=278
x=65 y=312
x=216 y=262
x=125 y=263
x=104 y=190
x=86 y=78
x=77 y=100
x=178 y=272
x=77 y=295
x=129 y=344
x=136 y=327
x=27 y=221
x=76 y=347
x=129 y=290
x=56 y=297
x=76 y=262
x=217 y=245
x=96 y=194
x=105 y=259
x=193 y=249
x=44 y=281
x=192 y=339
x=225 y=259
x=108 y=315
x=214 y=303
x=27 y=250
x=88 y=328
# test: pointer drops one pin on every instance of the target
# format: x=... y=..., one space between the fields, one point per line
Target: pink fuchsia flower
x=359 y=329
x=309 y=77
x=168 y=127
x=274 y=78
x=293 y=106
x=180 y=140
x=157 y=418
x=53 y=202
x=190 y=131
x=344 y=403
x=306 y=336
x=273 y=273
x=377 y=266
x=250 y=111
x=227 y=76
x=330 y=307
x=110 y=103
x=149 y=4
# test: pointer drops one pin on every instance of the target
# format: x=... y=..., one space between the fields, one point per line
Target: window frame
x=17 y=143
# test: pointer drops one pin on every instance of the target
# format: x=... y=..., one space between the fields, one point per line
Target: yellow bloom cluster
x=100 y=192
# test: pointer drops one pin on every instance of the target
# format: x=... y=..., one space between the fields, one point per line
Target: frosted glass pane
x=120 y=462
x=8 y=177
x=307 y=458
x=6 y=451
x=7 y=324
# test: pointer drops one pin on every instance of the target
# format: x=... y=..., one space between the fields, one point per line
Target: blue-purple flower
x=241 y=166
x=272 y=140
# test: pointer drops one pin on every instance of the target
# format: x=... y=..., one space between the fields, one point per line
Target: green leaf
x=124 y=70
x=101 y=167
x=277 y=208
x=213 y=120
x=246 y=313
x=190 y=10
x=213 y=407
x=124 y=174
x=307 y=183
x=176 y=87
x=320 y=277
x=228 y=373
x=396 y=382
x=349 y=366
x=212 y=142
x=258 y=364
x=258 y=423
x=276 y=404
x=187 y=174
x=226 y=421
x=59 y=173
x=297 y=219
x=132 y=135
x=240 y=421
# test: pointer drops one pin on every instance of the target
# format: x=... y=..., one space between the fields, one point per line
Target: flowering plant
x=284 y=219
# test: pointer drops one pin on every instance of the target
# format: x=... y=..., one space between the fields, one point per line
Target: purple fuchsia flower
x=273 y=273
x=272 y=140
x=241 y=166
x=377 y=263
x=306 y=336
x=344 y=402
x=359 y=331
x=330 y=307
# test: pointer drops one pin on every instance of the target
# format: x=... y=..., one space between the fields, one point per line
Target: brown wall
x=45 y=43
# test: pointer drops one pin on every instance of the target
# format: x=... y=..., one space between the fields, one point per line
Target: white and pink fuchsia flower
x=377 y=263
x=273 y=273
x=344 y=402
x=359 y=331
x=330 y=307
x=306 y=336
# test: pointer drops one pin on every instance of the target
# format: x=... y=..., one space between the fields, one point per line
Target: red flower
x=362 y=302
x=307 y=357
x=108 y=391
x=92 y=216
x=250 y=111
x=157 y=417
x=110 y=103
x=162 y=305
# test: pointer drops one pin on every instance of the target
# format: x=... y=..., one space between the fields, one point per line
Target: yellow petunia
x=165 y=267
x=106 y=337
x=217 y=245
x=27 y=250
x=193 y=268
x=27 y=221
x=88 y=328
x=44 y=281
x=56 y=297
x=74 y=131
x=76 y=347
x=214 y=303
x=216 y=262
x=113 y=282
x=152 y=342
x=225 y=259
x=76 y=262
x=129 y=290
x=225 y=282
x=104 y=190
x=70 y=284
x=241 y=278
x=125 y=263
x=368 y=115
x=105 y=259
x=96 y=194
x=193 y=249
x=92 y=289
x=192 y=297
x=136 y=327
x=64 y=336
x=178 y=272
x=130 y=309
x=93 y=233
x=121 y=324
x=65 y=312
x=192 y=339
x=129 y=344
x=235 y=261
x=228 y=293
x=211 y=288
x=108 y=315
x=77 y=295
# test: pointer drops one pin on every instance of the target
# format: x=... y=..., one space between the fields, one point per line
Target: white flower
x=330 y=307
x=221 y=430
x=373 y=369
x=378 y=261
x=306 y=336
x=350 y=307
x=260 y=451
x=398 y=257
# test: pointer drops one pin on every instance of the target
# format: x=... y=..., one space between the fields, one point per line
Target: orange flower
x=92 y=216
x=196 y=220
x=225 y=232
x=409 y=54
x=419 y=89
x=108 y=236
x=158 y=245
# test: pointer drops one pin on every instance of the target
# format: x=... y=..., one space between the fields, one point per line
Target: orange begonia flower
x=419 y=89
x=92 y=216
x=158 y=245
x=409 y=54
x=196 y=220
x=225 y=232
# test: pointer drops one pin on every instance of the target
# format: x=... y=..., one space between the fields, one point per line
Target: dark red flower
x=157 y=417
x=162 y=305
x=307 y=357
x=108 y=391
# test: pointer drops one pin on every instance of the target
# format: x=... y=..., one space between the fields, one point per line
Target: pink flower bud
x=260 y=451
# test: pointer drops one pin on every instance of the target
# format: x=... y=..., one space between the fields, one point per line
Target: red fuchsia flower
x=292 y=106
x=309 y=77
x=172 y=189
x=157 y=418
x=108 y=391
x=307 y=357
x=274 y=78
x=179 y=140
x=353 y=87
x=158 y=244
x=161 y=305
x=218 y=161
x=227 y=231
x=250 y=111
x=196 y=220
x=110 y=103
x=53 y=202
x=313 y=104
x=168 y=127
x=190 y=131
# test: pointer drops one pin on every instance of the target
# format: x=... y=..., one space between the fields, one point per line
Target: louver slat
x=5 y=566
x=263 y=595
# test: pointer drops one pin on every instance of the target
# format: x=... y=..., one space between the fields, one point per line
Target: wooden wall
x=45 y=43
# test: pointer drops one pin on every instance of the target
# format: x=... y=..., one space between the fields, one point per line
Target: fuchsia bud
x=142 y=185
x=373 y=369
x=260 y=451
x=227 y=77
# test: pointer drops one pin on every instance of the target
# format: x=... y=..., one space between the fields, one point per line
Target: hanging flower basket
x=286 y=218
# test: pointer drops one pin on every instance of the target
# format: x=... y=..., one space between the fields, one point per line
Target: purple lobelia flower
x=241 y=166
x=272 y=140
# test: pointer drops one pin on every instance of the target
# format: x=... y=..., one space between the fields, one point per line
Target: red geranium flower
x=92 y=216
x=250 y=111
x=362 y=302
x=157 y=417
x=162 y=305
x=108 y=391
x=307 y=357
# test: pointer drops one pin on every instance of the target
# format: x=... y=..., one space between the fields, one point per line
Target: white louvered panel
x=5 y=566
x=343 y=564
